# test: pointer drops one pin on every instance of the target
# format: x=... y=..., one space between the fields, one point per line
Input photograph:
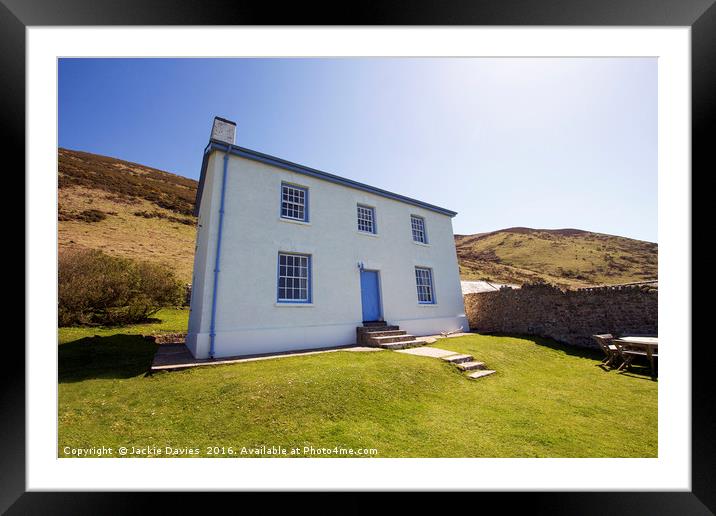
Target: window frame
x=424 y=229
x=309 y=279
x=304 y=189
x=374 y=222
x=430 y=285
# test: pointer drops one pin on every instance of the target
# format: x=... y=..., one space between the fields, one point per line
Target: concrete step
x=402 y=345
x=391 y=338
x=369 y=329
x=458 y=359
x=479 y=374
x=469 y=366
x=365 y=334
x=384 y=333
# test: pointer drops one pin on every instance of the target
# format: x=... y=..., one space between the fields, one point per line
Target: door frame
x=381 y=315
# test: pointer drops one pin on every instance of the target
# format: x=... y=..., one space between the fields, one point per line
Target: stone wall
x=571 y=316
x=167 y=338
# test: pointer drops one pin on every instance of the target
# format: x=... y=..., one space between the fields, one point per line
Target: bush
x=92 y=215
x=85 y=216
x=159 y=215
x=95 y=288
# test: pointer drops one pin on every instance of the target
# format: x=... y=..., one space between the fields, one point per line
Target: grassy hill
x=140 y=212
x=566 y=257
x=126 y=209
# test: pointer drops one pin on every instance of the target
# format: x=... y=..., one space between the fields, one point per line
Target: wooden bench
x=635 y=347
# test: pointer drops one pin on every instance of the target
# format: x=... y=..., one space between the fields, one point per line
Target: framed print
x=211 y=187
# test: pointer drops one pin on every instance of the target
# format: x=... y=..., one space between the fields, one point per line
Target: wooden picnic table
x=648 y=344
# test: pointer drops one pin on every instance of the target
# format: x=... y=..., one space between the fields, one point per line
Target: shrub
x=159 y=215
x=92 y=215
x=96 y=288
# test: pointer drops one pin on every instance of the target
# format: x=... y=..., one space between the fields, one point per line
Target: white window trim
x=374 y=221
x=306 y=210
x=295 y=221
x=309 y=280
x=425 y=230
x=433 y=297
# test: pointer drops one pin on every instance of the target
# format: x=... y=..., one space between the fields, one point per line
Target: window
x=294 y=278
x=418 y=225
x=294 y=202
x=366 y=219
x=424 y=282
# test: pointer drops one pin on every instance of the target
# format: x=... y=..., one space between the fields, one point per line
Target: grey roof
x=301 y=169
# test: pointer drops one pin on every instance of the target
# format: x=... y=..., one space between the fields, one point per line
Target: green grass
x=167 y=320
x=546 y=400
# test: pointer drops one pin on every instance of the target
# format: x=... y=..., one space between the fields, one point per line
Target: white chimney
x=223 y=130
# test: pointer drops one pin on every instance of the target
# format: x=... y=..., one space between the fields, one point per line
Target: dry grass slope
x=139 y=212
x=566 y=257
x=126 y=209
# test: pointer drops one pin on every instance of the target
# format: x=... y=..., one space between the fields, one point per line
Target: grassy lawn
x=546 y=400
x=169 y=320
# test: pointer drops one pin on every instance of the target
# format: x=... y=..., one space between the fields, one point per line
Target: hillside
x=566 y=257
x=140 y=212
x=126 y=209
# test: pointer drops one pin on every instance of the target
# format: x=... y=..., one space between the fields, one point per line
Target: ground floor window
x=294 y=278
x=424 y=282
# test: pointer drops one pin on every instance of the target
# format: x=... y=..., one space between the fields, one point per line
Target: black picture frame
x=700 y=15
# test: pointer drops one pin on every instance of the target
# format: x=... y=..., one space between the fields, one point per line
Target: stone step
x=369 y=329
x=391 y=338
x=458 y=359
x=479 y=374
x=401 y=345
x=375 y=323
x=384 y=333
x=469 y=366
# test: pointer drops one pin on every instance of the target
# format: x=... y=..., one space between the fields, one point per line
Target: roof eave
x=302 y=169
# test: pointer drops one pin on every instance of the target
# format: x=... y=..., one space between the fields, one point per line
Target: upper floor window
x=424 y=283
x=294 y=278
x=418 y=226
x=366 y=219
x=294 y=202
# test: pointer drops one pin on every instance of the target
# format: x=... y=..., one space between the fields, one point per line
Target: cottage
x=289 y=257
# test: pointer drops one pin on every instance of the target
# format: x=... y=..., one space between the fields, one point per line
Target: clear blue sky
x=537 y=142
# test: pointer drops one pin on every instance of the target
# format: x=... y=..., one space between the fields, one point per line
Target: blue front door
x=370 y=295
